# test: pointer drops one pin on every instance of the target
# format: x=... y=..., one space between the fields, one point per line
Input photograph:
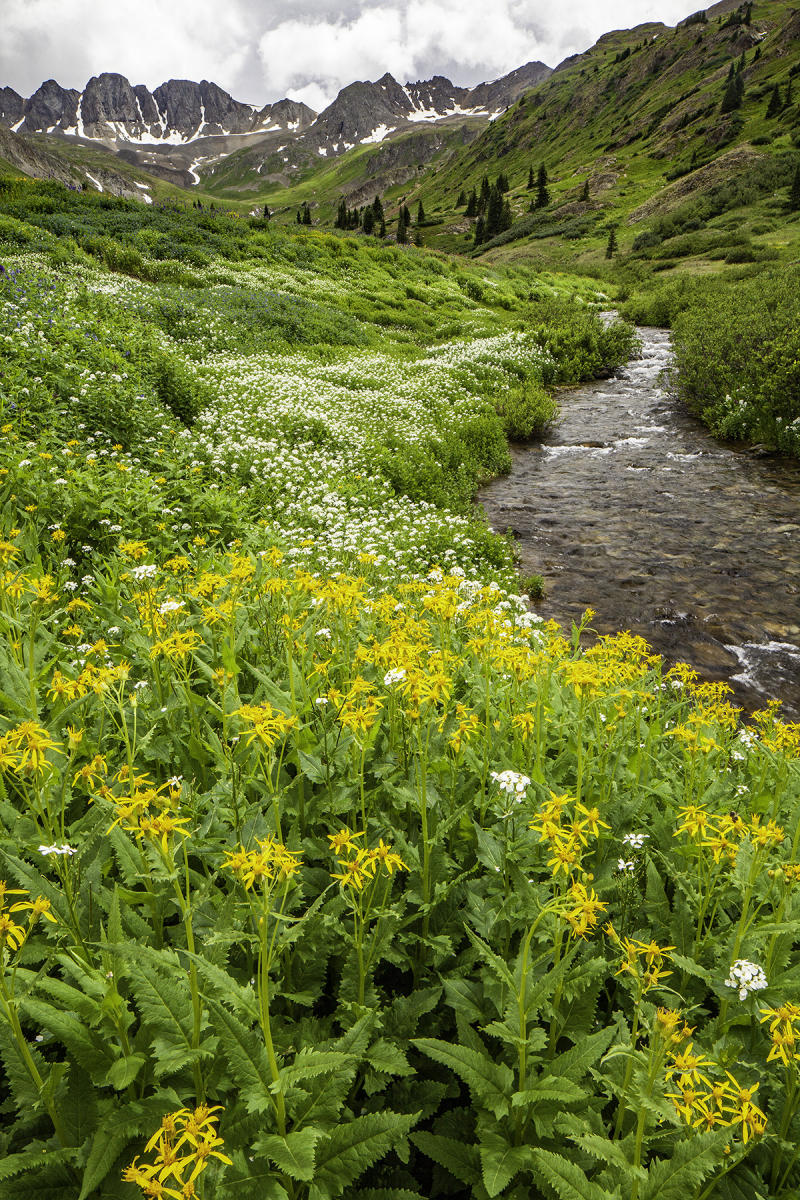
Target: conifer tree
x=382 y=230
x=420 y=213
x=775 y=103
x=494 y=213
x=462 y=199
x=472 y=204
x=585 y=192
x=734 y=92
x=611 y=248
x=377 y=209
x=480 y=231
x=506 y=218
x=369 y=220
x=483 y=199
x=341 y=215
x=502 y=183
x=306 y=214
x=299 y=216
x=402 y=235
x=794 y=194
x=406 y=215
x=531 y=181
x=542 y=194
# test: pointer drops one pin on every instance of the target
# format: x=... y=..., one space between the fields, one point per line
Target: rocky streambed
x=631 y=508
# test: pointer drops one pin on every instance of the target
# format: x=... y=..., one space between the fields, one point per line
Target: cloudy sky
x=262 y=50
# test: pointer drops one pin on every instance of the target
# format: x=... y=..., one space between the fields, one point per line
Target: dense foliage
x=329 y=868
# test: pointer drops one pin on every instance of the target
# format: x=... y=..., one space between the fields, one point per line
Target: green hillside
x=634 y=136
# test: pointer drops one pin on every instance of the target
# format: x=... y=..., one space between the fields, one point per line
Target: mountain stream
x=630 y=507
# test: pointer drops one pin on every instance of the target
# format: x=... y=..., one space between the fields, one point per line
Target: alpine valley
x=400 y=628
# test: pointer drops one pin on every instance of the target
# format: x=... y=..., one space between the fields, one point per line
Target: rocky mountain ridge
x=182 y=129
x=111 y=110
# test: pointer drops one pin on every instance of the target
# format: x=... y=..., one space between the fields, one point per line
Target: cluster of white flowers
x=144 y=571
x=63 y=849
x=512 y=783
x=393 y=676
x=746 y=977
x=635 y=840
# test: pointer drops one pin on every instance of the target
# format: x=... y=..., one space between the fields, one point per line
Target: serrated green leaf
x=352 y=1147
x=245 y=1057
x=566 y=1179
x=84 y=1045
x=123 y=1072
x=691 y=1163
x=292 y=1154
x=388 y=1058
x=459 y=1158
x=500 y=1161
x=549 y=1087
x=310 y=1063
x=492 y=960
x=575 y=1062
x=491 y=1082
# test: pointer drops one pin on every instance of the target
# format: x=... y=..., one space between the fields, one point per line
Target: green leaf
x=693 y=1161
x=293 y=1154
x=574 y=1063
x=246 y=1058
x=23 y=1089
x=492 y=960
x=500 y=1161
x=461 y=1159
x=124 y=1071
x=491 y=1082
x=549 y=1087
x=85 y=1046
x=310 y=1063
x=566 y=1179
x=353 y=1147
x=387 y=1057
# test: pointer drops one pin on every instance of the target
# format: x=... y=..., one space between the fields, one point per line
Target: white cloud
x=413 y=38
x=263 y=49
x=148 y=41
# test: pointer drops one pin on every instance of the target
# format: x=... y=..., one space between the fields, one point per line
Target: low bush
x=737 y=353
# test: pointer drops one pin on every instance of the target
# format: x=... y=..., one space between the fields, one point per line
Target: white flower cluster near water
x=746 y=977
x=512 y=783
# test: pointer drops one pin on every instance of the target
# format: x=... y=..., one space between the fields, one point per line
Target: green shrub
x=526 y=411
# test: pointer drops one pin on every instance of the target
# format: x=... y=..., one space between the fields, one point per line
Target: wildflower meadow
x=328 y=867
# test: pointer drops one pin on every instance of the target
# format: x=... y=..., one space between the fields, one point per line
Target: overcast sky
x=262 y=50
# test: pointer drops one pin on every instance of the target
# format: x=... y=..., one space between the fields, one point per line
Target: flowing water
x=631 y=508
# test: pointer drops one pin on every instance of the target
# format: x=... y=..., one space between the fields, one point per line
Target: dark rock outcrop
x=11 y=106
